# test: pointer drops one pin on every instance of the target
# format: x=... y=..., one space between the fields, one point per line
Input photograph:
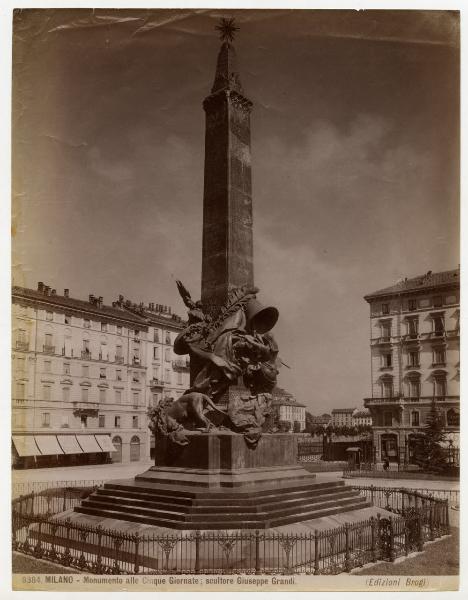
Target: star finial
x=227 y=29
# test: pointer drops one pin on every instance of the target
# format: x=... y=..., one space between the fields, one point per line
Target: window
x=66 y=368
x=84 y=421
x=135 y=422
x=414 y=388
x=412 y=304
x=167 y=355
x=387 y=359
x=388 y=420
x=413 y=358
x=20 y=390
x=65 y=421
x=102 y=373
x=386 y=330
x=21 y=335
x=46 y=419
x=49 y=340
x=86 y=346
x=103 y=353
x=102 y=420
x=438 y=324
x=156 y=336
x=66 y=394
x=86 y=323
x=49 y=315
x=20 y=364
x=179 y=378
x=437 y=301
x=168 y=338
x=415 y=418
x=439 y=356
x=136 y=399
x=453 y=418
x=67 y=320
x=155 y=399
x=119 y=329
x=85 y=370
x=387 y=388
x=84 y=394
x=155 y=352
x=167 y=378
x=47 y=366
x=118 y=375
x=103 y=326
x=102 y=396
x=413 y=327
x=117 y=422
x=136 y=377
x=118 y=396
x=118 y=351
x=46 y=392
x=136 y=333
x=440 y=386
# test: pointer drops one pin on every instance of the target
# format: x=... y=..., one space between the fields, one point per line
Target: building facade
x=415 y=360
x=287 y=409
x=342 y=417
x=84 y=374
x=361 y=416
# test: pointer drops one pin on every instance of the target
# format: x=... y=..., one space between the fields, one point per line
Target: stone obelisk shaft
x=227 y=204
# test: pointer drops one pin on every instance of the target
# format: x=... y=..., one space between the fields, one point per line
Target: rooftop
x=427 y=281
x=336 y=411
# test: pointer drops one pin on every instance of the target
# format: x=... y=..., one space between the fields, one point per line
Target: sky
x=355 y=164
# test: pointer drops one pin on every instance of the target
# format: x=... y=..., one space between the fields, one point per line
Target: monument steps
x=221 y=509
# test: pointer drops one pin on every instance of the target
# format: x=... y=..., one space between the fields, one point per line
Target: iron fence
x=395 y=497
x=418 y=519
x=51 y=501
x=26 y=487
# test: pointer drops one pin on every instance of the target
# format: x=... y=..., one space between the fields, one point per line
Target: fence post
x=257 y=551
x=420 y=532
x=372 y=494
x=402 y=501
x=379 y=539
x=347 y=563
x=67 y=558
x=38 y=547
x=431 y=520
x=136 y=559
x=447 y=516
x=64 y=500
x=32 y=503
x=391 y=553
x=316 y=553
x=372 y=523
x=197 y=551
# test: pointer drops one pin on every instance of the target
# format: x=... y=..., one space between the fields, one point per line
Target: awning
x=48 y=445
x=88 y=443
x=105 y=442
x=26 y=445
x=69 y=444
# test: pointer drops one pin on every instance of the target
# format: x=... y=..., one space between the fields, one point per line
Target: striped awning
x=26 y=445
x=69 y=444
x=48 y=445
x=105 y=442
x=89 y=443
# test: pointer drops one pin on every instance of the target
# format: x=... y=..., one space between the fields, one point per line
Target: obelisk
x=227 y=260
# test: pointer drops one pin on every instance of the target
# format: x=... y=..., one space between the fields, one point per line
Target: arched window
x=453 y=418
x=440 y=383
x=413 y=382
x=134 y=448
x=117 y=455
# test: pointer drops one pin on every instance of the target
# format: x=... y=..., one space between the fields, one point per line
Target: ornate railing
x=418 y=518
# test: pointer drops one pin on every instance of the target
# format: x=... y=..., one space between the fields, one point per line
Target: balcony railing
x=453 y=333
x=385 y=400
x=86 y=354
x=48 y=349
x=156 y=382
x=181 y=364
x=136 y=361
x=21 y=345
x=413 y=366
x=411 y=337
x=382 y=340
x=119 y=360
x=103 y=357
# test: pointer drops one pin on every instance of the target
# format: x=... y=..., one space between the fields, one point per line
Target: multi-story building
x=415 y=359
x=287 y=409
x=361 y=416
x=342 y=417
x=84 y=375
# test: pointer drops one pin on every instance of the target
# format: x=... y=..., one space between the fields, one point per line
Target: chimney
x=47 y=290
x=40 y=287
x=91 y=298
x=53 y=292
x=121 y=298
x=66 y=292
x=100 y=301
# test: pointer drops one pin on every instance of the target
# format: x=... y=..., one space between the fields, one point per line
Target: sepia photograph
x=235 y=300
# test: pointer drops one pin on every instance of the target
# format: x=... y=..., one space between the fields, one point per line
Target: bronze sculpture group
x=226 y=344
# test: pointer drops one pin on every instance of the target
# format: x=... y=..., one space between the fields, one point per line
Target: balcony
x=435 y=335
x=413 y=366
x=410 y=337
x=86 y=354
x=136 y=361
x=104 y=358
x=119 y=360
x=47 y=349
x=381 y=340
x=19 y=401
x=21 y=345
x=453 y=333
x=386 y=400
x=156 y=383
x=439 y=363
x=89 y=409
x=181 y=364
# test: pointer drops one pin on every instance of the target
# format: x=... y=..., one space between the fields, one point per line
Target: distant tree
x=428 y=451
x=284 y=426
x=297 y=427
x=309 y=422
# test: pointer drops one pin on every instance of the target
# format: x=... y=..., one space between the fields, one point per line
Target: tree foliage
x=428 y=451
